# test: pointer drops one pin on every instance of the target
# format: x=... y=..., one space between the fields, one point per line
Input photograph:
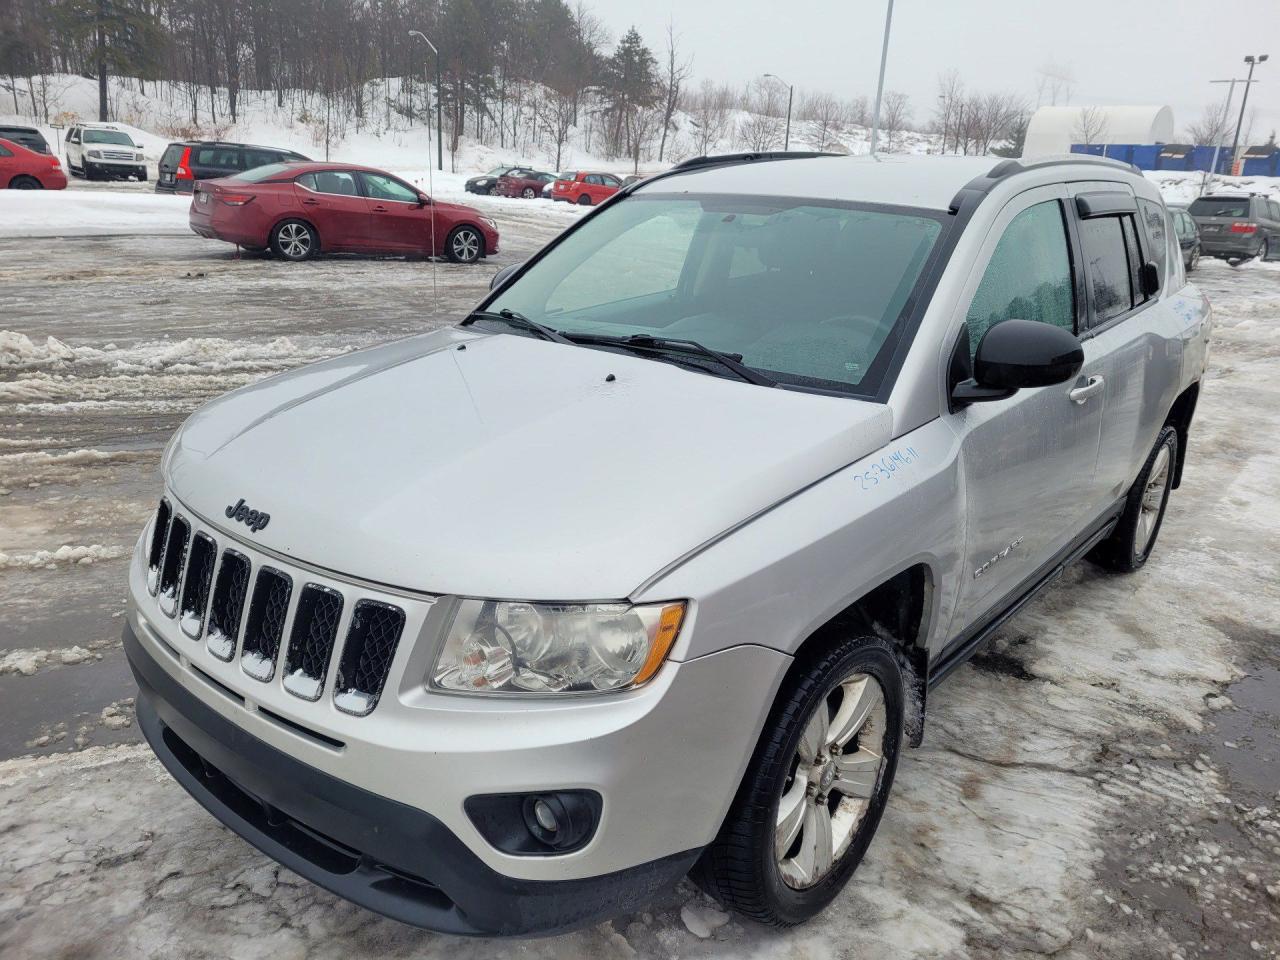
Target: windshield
x=807 y=293
x=1220 y=207
x=108 y=136
x=497 y=171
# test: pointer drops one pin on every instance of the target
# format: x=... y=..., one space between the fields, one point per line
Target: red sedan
x=522 y=183
x=23 y=169
x=585 y=187
x=301 y=209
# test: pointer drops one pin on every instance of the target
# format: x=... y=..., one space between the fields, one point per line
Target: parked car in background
x=24 y=169
x=1237 y=227
x=421 y=623
x=102 y=151
x=485 y=183
x=299 y=210
x=549 y=187
x=586 y=188
x=523 y=182
x=28 y=137
x=1188 y=234
x=184 y=163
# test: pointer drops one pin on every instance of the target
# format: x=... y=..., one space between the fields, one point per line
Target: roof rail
x=979 y=186
x=727 y=160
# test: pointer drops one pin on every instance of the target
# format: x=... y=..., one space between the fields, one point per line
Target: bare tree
x=677 y=74
x=826 y=115
x=859 y=110
x=764 y=124
x=709 y=112
x=895 y=114
x=1090 y=126
x=1212 y=126
x=947 y=112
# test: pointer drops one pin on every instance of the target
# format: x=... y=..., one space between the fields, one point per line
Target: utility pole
x=1217 y=147
x=439 y=100
x=884 y=57
x=1252 y=61
x=786 y=140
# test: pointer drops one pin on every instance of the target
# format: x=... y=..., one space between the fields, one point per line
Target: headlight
x=493 y=225
x=96 y=154
x=511 y=647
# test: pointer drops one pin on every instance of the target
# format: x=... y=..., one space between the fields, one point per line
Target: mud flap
x=914 y=662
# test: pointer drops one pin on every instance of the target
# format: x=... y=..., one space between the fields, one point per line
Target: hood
x=511 y=468
x=461 y=208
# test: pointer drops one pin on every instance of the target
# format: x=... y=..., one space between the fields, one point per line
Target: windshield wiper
x=519 y=320
x=670 y=346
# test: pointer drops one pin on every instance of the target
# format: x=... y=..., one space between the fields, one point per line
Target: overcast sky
x=1120 y=51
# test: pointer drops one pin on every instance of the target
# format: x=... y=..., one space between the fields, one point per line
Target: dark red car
x=522 y=183
x=23 y=169
x=301 y=209
x=585 y=187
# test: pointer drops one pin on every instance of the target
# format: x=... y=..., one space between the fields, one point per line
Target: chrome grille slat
x=155 y=553
x=367 y=653
x=268 y=611
x=172 y=564
x=311 y=642
x=227 y=608
x=196 y=583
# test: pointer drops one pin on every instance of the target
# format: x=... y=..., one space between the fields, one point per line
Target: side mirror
x=423 y=199
x=1149 y=278
x=503 y=275
x=1016 y=354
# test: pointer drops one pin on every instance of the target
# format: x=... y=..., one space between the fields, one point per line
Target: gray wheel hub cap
x=466 y=245
x=834 y=777
x=1152 y=500
x=295 y=240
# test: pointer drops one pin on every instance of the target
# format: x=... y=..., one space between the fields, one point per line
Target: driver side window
x=1028 y=277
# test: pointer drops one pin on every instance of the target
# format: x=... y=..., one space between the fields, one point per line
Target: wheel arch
x=899 y=609
x=1180 y=416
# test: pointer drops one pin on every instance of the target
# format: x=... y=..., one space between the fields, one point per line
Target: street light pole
x=884 y=57
x=786 y=140
x=439 y=104
x=1252 y=61
x=1217 y=146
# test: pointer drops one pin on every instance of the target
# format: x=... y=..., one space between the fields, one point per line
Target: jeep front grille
x=228 y=605
x=195 y=586
x=265 y=629
x=366 y=659
x=315 y=629
x=244 y=604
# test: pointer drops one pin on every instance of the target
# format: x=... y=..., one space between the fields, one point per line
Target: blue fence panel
x=1146 y=156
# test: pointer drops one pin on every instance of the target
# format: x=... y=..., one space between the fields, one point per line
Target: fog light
x=560 y=821
x=545 y=816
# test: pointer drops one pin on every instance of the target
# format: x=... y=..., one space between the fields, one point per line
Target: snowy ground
x=1102 y=782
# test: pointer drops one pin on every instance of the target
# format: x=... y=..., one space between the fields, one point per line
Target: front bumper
x=381 y=854
x=114 y=171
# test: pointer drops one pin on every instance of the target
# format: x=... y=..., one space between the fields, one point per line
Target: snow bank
x=1179 y=186
x=50 y=559
x=54 y=213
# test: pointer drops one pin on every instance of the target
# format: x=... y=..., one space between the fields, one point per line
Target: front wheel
x=25 y=183
x=527 y=193
x=814 y=792
x=465 y=245
x=294 y=240
x=1193 y=261
x=1134 y=537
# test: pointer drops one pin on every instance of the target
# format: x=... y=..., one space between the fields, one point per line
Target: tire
x=464 y=245
x=25 y=183
x=584 y=201
x=527 y=193
x=741 y=868
x=1264 y=249
x=294 y=240
x=1194 y=260
x=1134 y=537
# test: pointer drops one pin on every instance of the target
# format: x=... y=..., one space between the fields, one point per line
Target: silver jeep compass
x=648 y=564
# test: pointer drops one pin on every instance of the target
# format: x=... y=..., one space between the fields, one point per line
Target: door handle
x=1081 y=395
x=309 y=202
x=380 y=209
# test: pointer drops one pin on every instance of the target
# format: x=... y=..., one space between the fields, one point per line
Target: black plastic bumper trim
x=382 y=854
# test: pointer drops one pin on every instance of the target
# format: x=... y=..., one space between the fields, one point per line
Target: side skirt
x=968 y=643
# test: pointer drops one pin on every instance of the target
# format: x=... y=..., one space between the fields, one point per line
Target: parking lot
x=1104 y=780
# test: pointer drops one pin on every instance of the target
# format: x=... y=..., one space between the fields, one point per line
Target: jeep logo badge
x=255 y=520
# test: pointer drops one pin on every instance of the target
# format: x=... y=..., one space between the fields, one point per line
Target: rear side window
x=1153 y=220
x=5 y=151
x=1029 y=275
x=595 y=180
x=339 y=182
x=1274 y=208
x=1107 y=259
x=224 y=158
x=258 y=174
x=171 y=156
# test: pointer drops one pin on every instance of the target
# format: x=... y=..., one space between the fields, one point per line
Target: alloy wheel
x=295 y=240
x=834 y=776
x=1153 y=499
x=527 y=193
x=466 y=246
